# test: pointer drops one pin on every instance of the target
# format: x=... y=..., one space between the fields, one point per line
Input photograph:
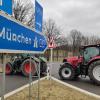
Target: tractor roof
x=86 y=46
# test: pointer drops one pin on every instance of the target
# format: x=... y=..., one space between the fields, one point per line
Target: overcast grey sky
x=83 y=15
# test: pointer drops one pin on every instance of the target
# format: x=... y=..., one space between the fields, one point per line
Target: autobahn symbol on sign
x=18 y=38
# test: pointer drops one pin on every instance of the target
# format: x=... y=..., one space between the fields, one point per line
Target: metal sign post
x=48 y=72
x=3 y=80
x=51 y=45
x=38 y=81
x=30 y=80
x=51 y=62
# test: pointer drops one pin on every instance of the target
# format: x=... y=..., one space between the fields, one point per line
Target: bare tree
x=61 y=40
x=91 y=40
x=24 y=12
x=94 y=39
x=85 y=40
x=75 y=40
x=51 y=29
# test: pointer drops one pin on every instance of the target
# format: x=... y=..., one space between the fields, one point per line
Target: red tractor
x=87 y=64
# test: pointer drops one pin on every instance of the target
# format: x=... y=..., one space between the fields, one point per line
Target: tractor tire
x=9 y=69
x=77 y=74
x=43 y=68
x=66 y=72
x=25 y=67
x=94 y=72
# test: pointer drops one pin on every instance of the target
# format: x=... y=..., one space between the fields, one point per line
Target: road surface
x=15 y=81
x=83 y=83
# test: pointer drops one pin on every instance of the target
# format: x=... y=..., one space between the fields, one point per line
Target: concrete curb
x=77 y=89
x=21 y=88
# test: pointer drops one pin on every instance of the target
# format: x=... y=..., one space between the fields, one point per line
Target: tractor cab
x=89 y=52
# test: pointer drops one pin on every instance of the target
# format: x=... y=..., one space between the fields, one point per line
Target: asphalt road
x=83 y=83
x=15 y=81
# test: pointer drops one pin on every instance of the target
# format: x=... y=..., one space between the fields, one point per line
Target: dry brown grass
x=51 y=91
x=0 y=69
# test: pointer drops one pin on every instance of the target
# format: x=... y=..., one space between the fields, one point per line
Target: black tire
x=26 y=64
x=66 y=72
x=9 y=69
x=77 y=73
x=43 y=67
x=94 y=72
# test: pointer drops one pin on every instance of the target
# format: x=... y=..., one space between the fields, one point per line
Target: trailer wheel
x=66 y=72
x=25 y=67
x=9 y=69
x=94 y=72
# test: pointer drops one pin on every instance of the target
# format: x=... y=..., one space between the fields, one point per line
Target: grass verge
x=0 y=69
x=51 y=90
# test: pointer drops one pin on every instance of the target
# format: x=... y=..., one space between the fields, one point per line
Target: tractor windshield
x=90 y=52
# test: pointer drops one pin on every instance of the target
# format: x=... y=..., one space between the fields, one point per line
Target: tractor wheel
x=9 y=69
x=25 y=67
x=94 y=72
x=77 y=73
x=43 y=67
x=66 y=72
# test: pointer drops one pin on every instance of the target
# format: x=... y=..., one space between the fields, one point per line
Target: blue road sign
x=6 y=6
x=16 y=37
x=0 y=2
x=38 y=16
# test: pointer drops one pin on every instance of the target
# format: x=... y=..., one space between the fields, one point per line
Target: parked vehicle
x=21 y=63
x=87 y=64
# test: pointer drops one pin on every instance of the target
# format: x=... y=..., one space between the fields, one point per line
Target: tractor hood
x=74 y=61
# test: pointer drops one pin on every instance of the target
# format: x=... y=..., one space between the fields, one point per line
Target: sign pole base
x=30 y=80
x=3 y=81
